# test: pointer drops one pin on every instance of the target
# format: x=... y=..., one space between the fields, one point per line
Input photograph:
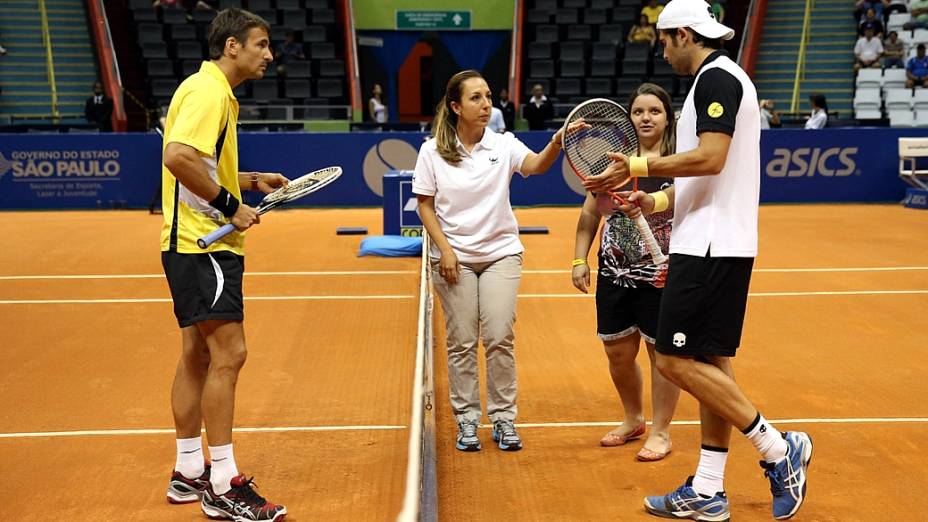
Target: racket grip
x=215 y=235
x=654 y=249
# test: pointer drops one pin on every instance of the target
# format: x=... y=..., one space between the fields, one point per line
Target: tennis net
x=420 y=502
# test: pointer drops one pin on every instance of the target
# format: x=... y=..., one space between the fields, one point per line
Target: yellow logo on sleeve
x=716 y=110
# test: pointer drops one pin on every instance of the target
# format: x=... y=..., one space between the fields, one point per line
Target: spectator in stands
x=2 y=50
x=538 y=109
x=509 y=110
x=867 y=51
x=497 y=123
x=287 y=51
x=643 y=32
x=819 y=117
x=769 y=116
x=99 y=109
x=872 y=22
x=919 y=11
x=652 y=11
x=862 y=6
x=893 y=52
x=917 y=69
x=376 y=109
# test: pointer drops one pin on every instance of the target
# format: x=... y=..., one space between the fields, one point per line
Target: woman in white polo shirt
x=462 y=181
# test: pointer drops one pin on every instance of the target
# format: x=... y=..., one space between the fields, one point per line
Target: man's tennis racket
x=295 y=190
x=607 y=128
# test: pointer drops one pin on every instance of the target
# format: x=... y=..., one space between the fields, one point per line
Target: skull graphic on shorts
x=679 y=339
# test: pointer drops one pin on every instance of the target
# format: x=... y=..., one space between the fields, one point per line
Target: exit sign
x=433 y=20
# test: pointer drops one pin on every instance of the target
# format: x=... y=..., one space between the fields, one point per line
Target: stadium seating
x=172 y=45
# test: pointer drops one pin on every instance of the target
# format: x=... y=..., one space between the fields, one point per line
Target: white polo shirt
x=472 y=197
x=718 y=214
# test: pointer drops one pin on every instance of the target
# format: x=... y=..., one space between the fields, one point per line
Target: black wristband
x=225 y=202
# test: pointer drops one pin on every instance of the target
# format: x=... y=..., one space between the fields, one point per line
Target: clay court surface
x=834 y=344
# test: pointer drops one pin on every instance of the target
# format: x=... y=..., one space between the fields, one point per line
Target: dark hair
x=920 y=47
x=819 y=101
x=708 y=43
x=234 y=23
x=444 y=128
x=669 y=139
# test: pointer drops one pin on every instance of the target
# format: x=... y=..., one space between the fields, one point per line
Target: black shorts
x=702 y=310
x=620 y=311
x=205 y=286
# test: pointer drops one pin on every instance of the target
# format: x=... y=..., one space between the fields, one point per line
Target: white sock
x=224 y=469
x=768 y=441
x=711 y=471
x=190 y=457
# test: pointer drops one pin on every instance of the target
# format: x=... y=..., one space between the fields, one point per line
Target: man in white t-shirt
x=867 y=51
x=712 y=250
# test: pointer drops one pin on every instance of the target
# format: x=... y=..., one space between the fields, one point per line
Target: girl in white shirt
x=819 y=117
x=375 y=106
x=462 y=181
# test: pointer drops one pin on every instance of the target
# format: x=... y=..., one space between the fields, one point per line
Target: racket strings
x=608 y=129
x=301 y=186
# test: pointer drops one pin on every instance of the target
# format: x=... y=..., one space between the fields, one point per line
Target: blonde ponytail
x=444 y=126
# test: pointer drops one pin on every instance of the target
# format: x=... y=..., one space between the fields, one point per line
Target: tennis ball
x=387 y=155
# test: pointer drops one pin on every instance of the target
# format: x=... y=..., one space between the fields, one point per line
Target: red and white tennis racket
x=608 y=128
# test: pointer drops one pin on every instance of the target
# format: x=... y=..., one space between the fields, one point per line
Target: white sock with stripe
x=224 y=469
x=768 y=441
x=190 y=457
x=710 y=473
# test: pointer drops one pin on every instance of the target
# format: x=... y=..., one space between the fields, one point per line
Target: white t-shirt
x=868 y=50
x=818 y=119
x=472 y=197
x=496 y=124
x=718 y=214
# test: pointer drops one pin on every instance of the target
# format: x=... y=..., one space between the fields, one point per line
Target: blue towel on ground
x=391 y=246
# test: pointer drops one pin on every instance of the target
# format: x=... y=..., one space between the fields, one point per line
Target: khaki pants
x=482 y=302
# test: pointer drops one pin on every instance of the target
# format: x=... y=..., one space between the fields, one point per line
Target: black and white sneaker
x=467 y=436
x=240 y=504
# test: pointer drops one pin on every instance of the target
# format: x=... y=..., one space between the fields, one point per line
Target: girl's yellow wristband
x=638 y=166
x=579 y=261
x=661 y=201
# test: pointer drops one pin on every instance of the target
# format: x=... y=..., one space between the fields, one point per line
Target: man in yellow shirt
x=652 y=11
x=201 y=191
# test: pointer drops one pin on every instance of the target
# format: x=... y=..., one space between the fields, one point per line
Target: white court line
x=578 y=295
x=292 y=429
x=101 y=433
x=865 y=420
x=410 y=272
x=394 y=297
x=252 y=274
x=168 y=300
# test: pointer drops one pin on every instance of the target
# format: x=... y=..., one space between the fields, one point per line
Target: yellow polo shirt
x=203 y=114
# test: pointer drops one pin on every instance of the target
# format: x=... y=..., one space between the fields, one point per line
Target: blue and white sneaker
x=504 y=432
x=686 y=503
x=788 y=477
x=467 y=435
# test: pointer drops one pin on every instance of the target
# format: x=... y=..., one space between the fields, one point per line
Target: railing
x=49 y=61
x=109 y=66
x=293 y=113
x=750 y=37
x=801 y=59
x=351 y=52
x=515 y=57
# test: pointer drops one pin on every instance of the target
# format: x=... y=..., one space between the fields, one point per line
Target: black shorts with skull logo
x=703 y=305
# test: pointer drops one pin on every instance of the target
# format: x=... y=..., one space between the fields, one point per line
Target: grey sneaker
x=467 y=436
x=504 y=432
